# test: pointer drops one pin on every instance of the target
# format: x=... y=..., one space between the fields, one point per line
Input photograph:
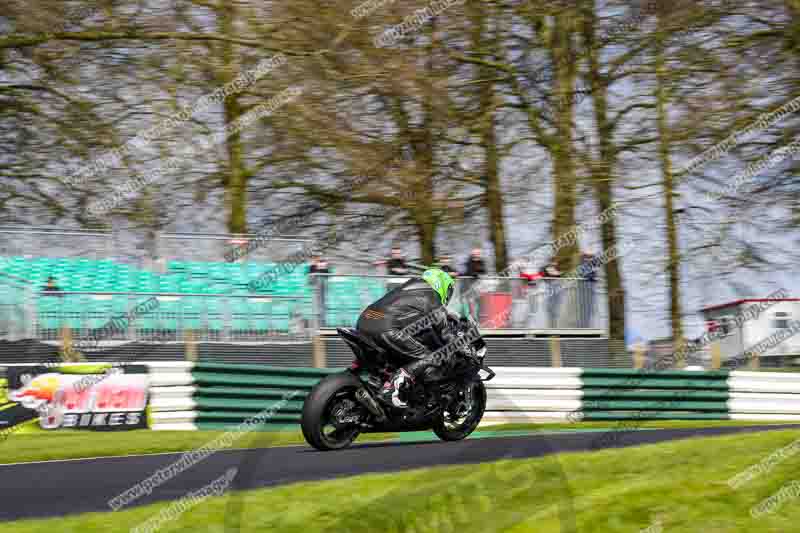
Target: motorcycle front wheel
x=467 y=412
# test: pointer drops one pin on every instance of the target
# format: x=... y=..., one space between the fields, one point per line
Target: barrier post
x=755 y=362
x=191 y=345
x=68 y=353
x=555 y=351
x=319 y=357
x=680 y=362
x=716 y=355
x=639 y=356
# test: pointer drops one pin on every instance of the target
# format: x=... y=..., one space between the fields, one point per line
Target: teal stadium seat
x=240 y=314
x=192 y=312
x=87 y=275
x=214 y=314
x=48 y=310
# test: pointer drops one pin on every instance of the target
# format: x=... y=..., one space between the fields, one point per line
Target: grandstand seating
x=188 y=282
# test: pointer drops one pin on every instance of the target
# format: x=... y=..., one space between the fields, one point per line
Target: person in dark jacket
x=412 y=322
x=396 y=266
x=475 y=266
x=474 y=269
x=551 y=275
x=51 y=285
x=319 y=266
x=587 y=272
x=444 y=264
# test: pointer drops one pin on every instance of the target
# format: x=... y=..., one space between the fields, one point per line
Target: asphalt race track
x=57 y=488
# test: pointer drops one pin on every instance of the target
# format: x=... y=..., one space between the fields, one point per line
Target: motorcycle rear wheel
x=316 y=422
x=453 y=431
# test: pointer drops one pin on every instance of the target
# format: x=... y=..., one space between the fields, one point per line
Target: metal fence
x=16 y=300
x=169 y=317
x=505 y=304
x=215 y=247
x=496 y=303
x=26 y=241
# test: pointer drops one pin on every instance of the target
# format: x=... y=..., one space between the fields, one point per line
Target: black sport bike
x=344 y=405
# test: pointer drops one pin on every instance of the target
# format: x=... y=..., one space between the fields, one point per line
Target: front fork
x=463 y=405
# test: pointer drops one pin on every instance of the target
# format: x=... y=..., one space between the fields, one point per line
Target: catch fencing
x=496 y=303
x=47 y=241
x=177 y=317
x=216 y=247
x=16 y=308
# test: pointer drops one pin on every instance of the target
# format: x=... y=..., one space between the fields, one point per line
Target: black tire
x=469 y=425
x=316 y=410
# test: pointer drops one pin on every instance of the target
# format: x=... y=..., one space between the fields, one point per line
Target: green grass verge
x=89 y=368
x=35 y=444
x=41 y=445
x=681 y=484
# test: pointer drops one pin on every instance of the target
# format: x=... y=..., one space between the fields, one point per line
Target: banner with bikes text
x=92 y=396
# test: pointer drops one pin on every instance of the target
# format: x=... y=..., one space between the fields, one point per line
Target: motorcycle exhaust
x=366 y=399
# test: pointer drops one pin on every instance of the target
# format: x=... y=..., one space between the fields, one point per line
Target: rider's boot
x=395 y=387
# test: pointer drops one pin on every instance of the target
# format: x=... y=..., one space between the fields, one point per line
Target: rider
x=411 y=322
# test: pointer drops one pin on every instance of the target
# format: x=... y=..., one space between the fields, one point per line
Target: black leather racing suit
x=410 y=322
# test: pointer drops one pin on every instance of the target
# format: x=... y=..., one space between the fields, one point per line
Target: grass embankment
x=677 y=487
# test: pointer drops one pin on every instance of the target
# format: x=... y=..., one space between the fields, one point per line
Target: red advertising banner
x=112 y=400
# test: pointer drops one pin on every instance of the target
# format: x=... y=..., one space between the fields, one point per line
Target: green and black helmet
x=441 y=282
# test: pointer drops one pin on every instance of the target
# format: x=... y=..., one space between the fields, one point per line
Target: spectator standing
x=319 y=283
x=552 y=283
x=444 y=264
x=531 y=280
x=473 y=270
x=395 y=266
x=587 y=271
x=51 y=286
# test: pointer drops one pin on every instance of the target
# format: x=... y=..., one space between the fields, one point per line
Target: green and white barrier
x=211 y=396
x=572 y=394
x=222 y=395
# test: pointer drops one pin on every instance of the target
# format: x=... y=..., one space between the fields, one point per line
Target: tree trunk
x=235 y=180
x=423 y=148
x=483 y=45
x=494 y=193
x=664 y=145
x=563 y=164
x=603 y=183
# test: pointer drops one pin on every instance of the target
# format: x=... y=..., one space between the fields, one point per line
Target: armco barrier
x=185 y=395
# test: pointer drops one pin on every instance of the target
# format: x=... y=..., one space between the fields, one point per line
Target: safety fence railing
x=296 y=312
x=53 y=241
x=17 y=320
x=496 y=303
x=218 y=247
x=165 y=317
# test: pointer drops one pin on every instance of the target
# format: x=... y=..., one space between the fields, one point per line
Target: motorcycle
x=342 y=406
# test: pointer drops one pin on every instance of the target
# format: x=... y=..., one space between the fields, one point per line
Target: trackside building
x=777 y=317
